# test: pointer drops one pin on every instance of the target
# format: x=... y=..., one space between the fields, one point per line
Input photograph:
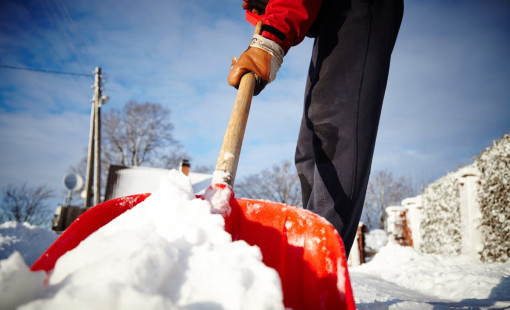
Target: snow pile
x=440 y=227
x=169 y=252
x=494 y=199
x=18 y=285
x=435 y=276
x=29 y=240
x=376 y=239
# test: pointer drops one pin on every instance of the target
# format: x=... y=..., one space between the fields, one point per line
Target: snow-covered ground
x=401 y=278
x=143 y=258
x=30 y=241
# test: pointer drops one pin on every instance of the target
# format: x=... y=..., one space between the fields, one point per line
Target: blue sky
x=447 y=97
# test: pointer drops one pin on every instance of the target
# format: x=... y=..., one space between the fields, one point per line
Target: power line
x=41 y=32
x=67 y=39
x=45 y=71
x=43 y=36
x=72 y=28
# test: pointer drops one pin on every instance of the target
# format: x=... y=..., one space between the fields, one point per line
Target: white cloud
x=39 y=149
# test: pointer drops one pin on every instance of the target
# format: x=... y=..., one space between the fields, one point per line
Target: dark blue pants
x=343 y=100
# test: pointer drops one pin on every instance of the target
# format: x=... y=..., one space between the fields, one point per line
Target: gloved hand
x=263 y=57
x=255 y=6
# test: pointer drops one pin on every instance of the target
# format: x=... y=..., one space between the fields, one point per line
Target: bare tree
x=203 y=169
x=383 y=191
x=172 y=156
x=26 y=204
x=136 y=133
x=278 y=184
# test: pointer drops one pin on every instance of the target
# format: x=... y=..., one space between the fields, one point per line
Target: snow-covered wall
x=494 y=200
x=397 y=225
x=468 y=179
x=468 y=211
x=415 y=216
x=440 y=226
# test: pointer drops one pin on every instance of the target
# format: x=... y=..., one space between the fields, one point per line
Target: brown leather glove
x=263 y=57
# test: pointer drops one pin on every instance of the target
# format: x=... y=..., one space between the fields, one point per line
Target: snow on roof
x=125 y=181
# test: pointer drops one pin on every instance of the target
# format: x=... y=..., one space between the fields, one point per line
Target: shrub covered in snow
x=440 y=226
x=494 y=200
x=441 y=222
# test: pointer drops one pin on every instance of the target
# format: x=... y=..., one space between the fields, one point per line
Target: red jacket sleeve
x=287 y=21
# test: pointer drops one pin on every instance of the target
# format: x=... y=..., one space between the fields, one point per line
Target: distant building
x=125 y=181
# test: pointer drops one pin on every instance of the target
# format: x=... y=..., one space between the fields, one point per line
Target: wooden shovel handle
x=226 y=166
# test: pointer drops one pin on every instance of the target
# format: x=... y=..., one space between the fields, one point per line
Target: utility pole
x=97 y=136
x=93 y=178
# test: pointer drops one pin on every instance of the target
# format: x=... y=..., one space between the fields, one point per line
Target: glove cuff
x=269 y=46
x=273 y=49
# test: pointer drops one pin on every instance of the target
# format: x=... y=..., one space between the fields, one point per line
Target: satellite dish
x=73 y=182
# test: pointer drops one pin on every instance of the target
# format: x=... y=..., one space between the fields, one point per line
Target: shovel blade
x=302 y=247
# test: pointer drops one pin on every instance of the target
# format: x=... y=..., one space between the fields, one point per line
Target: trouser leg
x=343 y=99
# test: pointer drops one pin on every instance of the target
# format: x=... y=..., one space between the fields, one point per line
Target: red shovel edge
x=304 y=248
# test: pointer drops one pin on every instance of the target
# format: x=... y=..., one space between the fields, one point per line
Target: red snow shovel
x=301 y=246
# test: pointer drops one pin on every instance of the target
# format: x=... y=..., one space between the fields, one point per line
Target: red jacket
x=287 y=21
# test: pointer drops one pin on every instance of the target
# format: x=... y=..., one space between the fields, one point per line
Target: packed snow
x=171 y=252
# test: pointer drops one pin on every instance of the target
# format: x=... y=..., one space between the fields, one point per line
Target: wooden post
x=97 y=137
x=93 y=177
